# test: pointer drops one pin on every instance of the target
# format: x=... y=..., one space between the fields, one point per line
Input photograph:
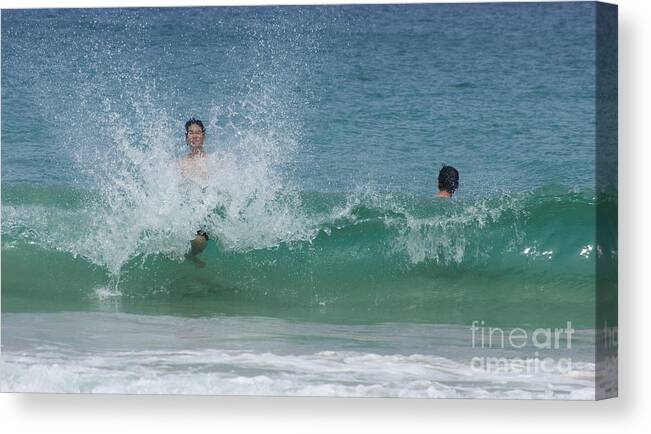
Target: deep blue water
x=349 y=95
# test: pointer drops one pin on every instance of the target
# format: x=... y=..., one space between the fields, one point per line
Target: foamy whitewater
x=331 y=268
x=253 y=356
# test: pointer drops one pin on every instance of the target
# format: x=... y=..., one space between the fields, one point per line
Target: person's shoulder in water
x=448 y=181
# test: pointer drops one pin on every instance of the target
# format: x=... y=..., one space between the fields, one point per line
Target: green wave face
x=517 y=260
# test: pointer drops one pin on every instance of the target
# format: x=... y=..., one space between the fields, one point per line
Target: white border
x=629 y=413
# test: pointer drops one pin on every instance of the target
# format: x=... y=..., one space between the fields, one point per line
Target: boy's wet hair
x=194 y=121
x=448 y=179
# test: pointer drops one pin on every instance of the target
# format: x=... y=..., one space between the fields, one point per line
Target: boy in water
x=448 y=181
x=192 y=166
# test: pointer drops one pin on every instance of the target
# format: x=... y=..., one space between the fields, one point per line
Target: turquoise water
x=326 y=128
x=352 y=258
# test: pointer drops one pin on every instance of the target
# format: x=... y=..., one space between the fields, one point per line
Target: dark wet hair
x=194 y=121
x=448 y=179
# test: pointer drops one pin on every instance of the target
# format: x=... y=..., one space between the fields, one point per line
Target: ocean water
x=331 y=267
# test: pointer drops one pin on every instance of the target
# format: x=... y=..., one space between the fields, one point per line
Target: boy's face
x=194 y=136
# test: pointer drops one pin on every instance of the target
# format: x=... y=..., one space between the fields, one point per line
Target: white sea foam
x=120 y=353
x=142 y=205
x=327 y=373
x=444 y=238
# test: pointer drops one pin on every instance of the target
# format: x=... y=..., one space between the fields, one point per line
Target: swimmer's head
x=193 y=121
x=194 y=133
x=448 y=180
